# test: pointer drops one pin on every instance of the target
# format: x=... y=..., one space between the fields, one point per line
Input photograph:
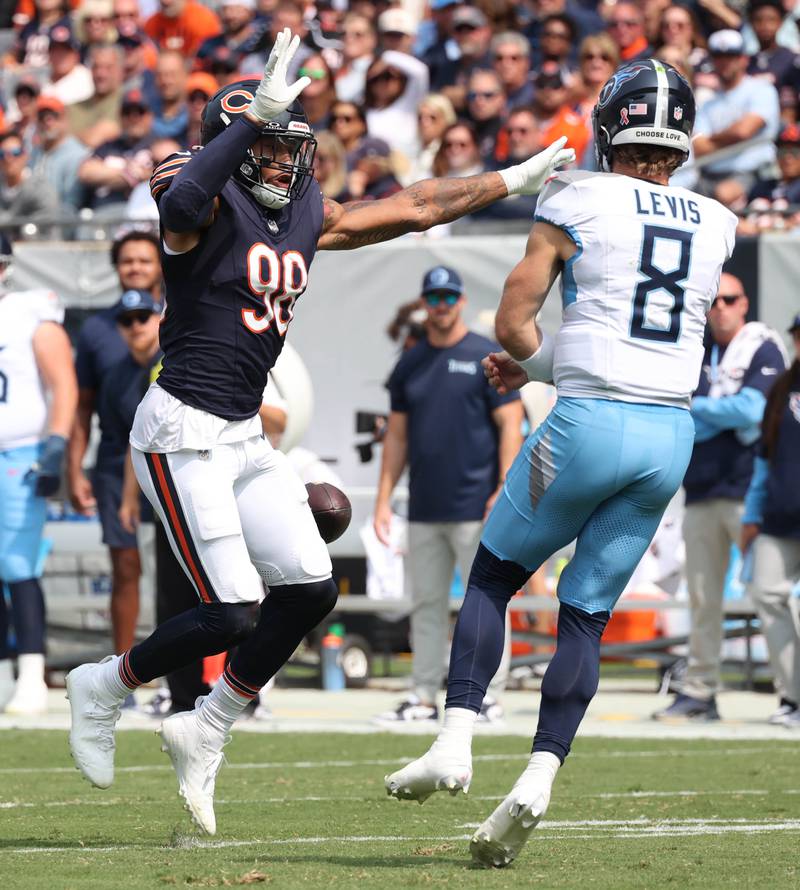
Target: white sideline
x=620 y=829
x=327 y=764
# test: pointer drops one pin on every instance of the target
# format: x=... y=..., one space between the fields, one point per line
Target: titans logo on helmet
x=617 y=81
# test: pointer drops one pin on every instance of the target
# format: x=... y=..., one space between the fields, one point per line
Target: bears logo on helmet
x=289 y=130
x=643 y=103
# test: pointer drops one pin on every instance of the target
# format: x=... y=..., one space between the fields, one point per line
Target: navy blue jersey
x=230 y=299
x=452 y=436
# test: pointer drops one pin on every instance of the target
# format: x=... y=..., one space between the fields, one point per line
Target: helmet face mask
x=643 y=103
x=288 y=148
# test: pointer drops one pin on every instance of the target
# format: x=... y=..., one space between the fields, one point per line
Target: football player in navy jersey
x=241 y=220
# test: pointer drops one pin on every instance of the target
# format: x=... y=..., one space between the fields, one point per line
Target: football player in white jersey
x=38 y=397
x=639 y=262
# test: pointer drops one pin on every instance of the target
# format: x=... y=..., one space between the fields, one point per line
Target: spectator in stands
x=70 y=81
x=140 y=203
x=182 y=25
x=523 y=142
x=744 y=108
x=459 y=154
x=36 y=414
x=22 y=115
x=598 y=58
x=584 y=15
x=99 y=348
x=396 y=83
x=511 y=59
x=434 y=115
x=94 y=24
x=137 y=314
x=787 y=188
x=200 y=87
x=170 y=114
x=127 y=17
x=25 y=196
x=397 y=30
x=34 y=38
x=372 y=175
x=320 y=95
x=97 y=119
x=486 y=108
x=679 y=28
x=435 y=44
x=330 y=167
x=777 y=64
x=626 y=27
x=358 y=51
x=557 y=38
x=137 y=65
x=742 y=362
x=349 y=125
x=458 y=438
x=57 y=154
x=554 y=116
x=472 y=35
x=242 y=33
x=116 y=166
x=771 y=526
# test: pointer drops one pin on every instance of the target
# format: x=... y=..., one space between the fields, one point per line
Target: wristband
x=539 y=366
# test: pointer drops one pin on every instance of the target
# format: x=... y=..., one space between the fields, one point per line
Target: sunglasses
x=472 y=95
x=727 y=299
x=140 y=316
x=435 y=299
x=313 y=73
x=357 y=34
x=789 y=151
x=522 y=130
x=508 y=57
x=386 y=76
x=588 y=56
x=464 y=27
x=557 y=35
x=11 y=152
x=344 y=118
x=457 y=143
x=623 y=23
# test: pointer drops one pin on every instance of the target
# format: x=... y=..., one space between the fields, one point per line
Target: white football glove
x=528 y=177
x=274 y=95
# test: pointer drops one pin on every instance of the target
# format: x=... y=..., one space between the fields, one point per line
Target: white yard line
x=341 y=764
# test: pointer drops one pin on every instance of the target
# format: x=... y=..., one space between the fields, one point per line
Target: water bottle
x=331 y=656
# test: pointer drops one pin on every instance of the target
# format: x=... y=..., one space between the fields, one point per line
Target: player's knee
x=495 y=577
x=320 y=597
x=230 y=622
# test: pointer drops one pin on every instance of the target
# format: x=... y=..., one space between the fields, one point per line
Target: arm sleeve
x=739 y=411
x=756 y=495
x=185 y=203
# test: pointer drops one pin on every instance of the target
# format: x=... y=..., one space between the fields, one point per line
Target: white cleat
x=196 y=760
x=94 y=717
x=30 y=697
x=432 y=772
x=498 y=841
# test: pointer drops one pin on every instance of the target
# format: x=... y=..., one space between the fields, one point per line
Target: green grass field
x=310 y=811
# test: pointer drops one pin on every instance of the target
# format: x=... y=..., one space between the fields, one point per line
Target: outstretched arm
x=434 y=201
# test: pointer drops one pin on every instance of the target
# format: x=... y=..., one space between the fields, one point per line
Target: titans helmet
x=290 y=130
x=643 y=103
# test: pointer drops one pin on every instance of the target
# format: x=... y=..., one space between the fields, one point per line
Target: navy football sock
x=480 y=631
x=27 y=609
x=571 y=679
x=287 y=614
x=208 y=629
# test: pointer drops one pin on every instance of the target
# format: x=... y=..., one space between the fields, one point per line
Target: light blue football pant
x=600 y=471
x=22 y=515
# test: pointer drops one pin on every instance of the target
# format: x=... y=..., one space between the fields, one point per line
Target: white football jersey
x=636 y=293
x=23 y=397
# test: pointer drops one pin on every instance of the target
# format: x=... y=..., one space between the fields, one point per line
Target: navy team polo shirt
x=452 y=438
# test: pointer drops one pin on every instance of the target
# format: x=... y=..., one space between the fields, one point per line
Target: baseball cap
x=442 y=278
x=136 y=301
x=134 y=99
x=248 y=4
x=28 y=84
x=50 y=103
x=396 y=21
x=63 y=36
x=795 y=325
x=370 y=147
x=726 y=42
x=443 y=4
x=201 y=82
x=789 y=135
x=222 y=58
x=469 y=15
x=549 y=76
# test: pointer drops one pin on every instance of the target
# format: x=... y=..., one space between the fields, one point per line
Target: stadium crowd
x=94 y=94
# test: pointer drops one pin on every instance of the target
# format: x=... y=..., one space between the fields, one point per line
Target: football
x=331 y=509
